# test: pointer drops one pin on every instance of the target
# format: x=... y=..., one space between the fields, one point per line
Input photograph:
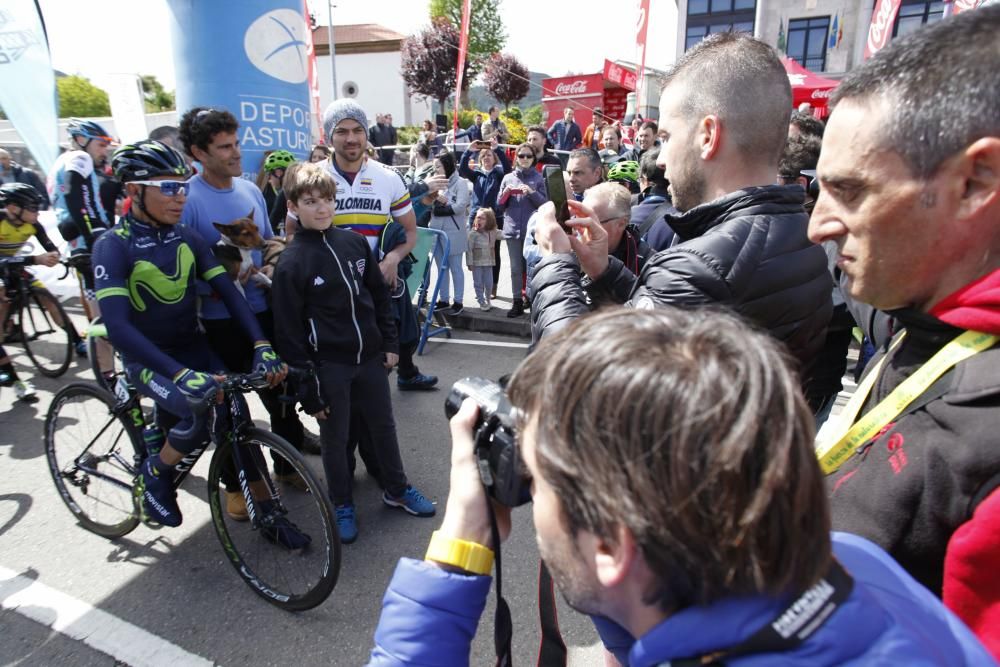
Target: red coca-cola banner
x=881 y=27
x=463 y=46
x=619 y=75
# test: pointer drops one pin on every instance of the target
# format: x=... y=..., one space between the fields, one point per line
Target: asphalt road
x=175 y=583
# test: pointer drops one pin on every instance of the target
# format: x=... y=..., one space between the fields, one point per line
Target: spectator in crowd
x=341 y=327
x=565 y=134
x=539 y=142
x=382 y=133
x=612 y=205
x=522 y=191
x=448 y=214
x=319 y=153
x=686 y=515
x=428 y=135
x=611 y=139
x=170 y=135
x=475 y=132
x=743 y=238
x=650 y=213
x=479 y=255
x=805 y=124
x=217 y=194
x=422 y=182
x=494 y=127
x=486 y=179
x=910 y=193
x=12 y=172
x=592 y=136
x=645 y=139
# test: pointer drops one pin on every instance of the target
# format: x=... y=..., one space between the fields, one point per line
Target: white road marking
x=487 y=343
x=98 y=629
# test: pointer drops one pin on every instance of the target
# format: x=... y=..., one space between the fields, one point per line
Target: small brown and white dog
x=238 y=239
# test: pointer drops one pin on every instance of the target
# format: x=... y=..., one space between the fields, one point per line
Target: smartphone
x=556 y=189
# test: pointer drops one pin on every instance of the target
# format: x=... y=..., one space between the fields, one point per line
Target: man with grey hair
x=742 y=239
x=612 y=204
x=910 y=193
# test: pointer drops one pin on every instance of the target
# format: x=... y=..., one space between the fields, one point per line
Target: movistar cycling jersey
x=366 y=202
x=145 y=280
x=75 y=192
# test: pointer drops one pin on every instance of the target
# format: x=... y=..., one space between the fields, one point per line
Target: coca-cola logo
x=881 y=28
x=820 y=94
x=571 y=88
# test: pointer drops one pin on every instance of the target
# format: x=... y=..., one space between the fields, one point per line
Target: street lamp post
x=333 y=49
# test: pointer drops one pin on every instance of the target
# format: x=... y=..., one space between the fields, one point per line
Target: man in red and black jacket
x=911 y=195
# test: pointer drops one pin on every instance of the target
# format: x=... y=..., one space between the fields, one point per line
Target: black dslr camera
x=501 y=467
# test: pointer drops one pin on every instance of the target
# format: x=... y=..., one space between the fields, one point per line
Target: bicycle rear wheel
x=92 y=455
x=48 y=344
x=294 y=580
x=97 y=332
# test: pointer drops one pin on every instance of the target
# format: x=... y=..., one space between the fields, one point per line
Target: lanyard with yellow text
x=848 y=435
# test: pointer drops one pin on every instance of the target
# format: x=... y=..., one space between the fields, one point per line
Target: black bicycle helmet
x=278 y=160
x=609 y=157
x=20 y=194
x=147 y=159
x=88 y=129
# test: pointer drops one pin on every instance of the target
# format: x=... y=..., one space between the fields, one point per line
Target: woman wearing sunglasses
x=522 y=191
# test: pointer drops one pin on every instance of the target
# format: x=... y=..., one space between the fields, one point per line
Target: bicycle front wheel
x=44 y=327
x=294 y=579
x=92 y=455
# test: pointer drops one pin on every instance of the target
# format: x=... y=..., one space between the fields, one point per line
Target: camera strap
x=793 y=625
x=503 y=627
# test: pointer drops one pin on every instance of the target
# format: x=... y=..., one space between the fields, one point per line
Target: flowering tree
x=430 y=61
x=506 y=78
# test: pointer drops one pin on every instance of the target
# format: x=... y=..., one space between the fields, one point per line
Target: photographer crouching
x=677 y=500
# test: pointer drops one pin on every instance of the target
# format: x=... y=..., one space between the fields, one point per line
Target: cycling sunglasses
x=168 y=188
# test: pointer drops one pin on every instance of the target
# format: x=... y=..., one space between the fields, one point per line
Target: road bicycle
x=37 y=321
x=96 y=441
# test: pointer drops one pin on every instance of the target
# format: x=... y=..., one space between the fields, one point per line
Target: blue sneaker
x=281 y=530
x=347 y=523
x=81 y=349
x=418 y=382
x=159 y=498
x=412 y=502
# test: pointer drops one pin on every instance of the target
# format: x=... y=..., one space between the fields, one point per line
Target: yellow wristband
x=469 y=556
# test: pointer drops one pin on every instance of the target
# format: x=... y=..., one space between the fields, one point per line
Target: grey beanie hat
x=340 y=110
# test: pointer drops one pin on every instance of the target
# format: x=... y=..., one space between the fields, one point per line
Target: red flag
x=313 y=75
x=881 y=27
x=640 y=42
x=463 y=46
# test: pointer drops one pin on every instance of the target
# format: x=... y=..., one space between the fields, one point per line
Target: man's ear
x=709 y=136
x=198 y=154
x=979 y=167
x=613 y=559
x=292 y=206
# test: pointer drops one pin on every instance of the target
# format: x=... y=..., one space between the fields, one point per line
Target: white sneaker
x=485 y=306
x=24 y=391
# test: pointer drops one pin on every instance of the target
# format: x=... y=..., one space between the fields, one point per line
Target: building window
x=915 y=13
x=807 y=40
x=706 y=17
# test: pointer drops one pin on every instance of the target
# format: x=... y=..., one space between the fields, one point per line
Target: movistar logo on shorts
x=153 y=281
x=158 y=388
x=196 y=381
x=146 y=375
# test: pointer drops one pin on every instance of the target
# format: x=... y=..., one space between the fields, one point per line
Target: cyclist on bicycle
x=74 y=188
x=19 y=205
x=145 y=270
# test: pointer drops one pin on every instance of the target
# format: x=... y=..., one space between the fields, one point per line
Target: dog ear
x=250 y=215
x=223 y=228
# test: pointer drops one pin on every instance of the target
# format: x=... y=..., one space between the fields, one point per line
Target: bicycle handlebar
x=75 y=261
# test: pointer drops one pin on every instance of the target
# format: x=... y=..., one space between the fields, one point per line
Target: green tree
x=429 y=61
x=79 y=97
x=157 y=99
x=533 y=115
x=486 y=32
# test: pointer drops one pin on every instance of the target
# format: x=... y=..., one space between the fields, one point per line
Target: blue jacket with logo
x=429 y=618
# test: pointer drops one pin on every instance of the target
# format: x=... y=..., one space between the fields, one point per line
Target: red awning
x=808 y=86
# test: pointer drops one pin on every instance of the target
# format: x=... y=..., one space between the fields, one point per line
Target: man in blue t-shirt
x=218 y=195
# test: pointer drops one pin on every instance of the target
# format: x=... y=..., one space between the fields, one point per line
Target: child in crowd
x=333 y=315
x=480 y=257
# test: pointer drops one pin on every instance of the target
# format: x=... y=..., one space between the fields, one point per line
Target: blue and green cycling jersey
x=145 y=281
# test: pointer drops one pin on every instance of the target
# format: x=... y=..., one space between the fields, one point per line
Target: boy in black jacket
x=333 y=315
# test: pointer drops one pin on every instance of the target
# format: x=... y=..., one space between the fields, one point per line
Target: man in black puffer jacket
x=743 y=242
